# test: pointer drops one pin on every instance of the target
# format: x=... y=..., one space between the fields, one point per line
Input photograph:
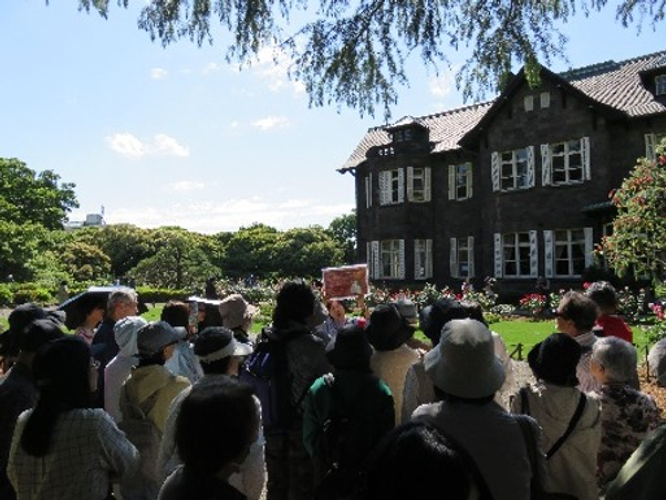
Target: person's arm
x=120 y=455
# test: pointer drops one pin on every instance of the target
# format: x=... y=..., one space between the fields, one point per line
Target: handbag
x=536 y=489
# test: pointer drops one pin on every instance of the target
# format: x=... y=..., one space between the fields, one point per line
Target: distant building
x=516 y=188
x=92 y=220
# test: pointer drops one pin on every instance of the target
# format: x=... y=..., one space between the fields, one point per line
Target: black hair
x=216 y=424
x=61 y=369
x=176 y=313
x=88 y=303
x=432 y=318
x=221 y=366
x=294 y=303
x=416 y=449
x=474 y=311
x=603 y=294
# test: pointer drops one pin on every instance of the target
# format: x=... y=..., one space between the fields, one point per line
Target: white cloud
x=271 y=122
x=126 y=144
x=184 y=186
x=169 y=146
x=214 y=216
x=441 y=86
x=130 y=146
x=158 y=73
x=272 y=65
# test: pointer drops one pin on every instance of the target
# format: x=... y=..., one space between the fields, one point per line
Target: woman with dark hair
x=215 y=428
x=91 y=309
x=289 y=468
x=417 y=460
x=62 y=448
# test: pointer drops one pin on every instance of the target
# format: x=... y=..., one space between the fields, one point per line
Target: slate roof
x=614 y=84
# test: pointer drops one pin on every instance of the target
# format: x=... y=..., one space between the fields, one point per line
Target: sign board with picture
x=346 y=281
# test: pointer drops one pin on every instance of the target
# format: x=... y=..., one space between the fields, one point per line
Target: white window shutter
x=410 y=184
x=401 y=260
x=549 y=253
x=528 y=102
x=417 y=259
x=530 y=166
x=384 y=187
x=585 y=151
x=589 y=246
x=498 y=255
x=428 y=262
x=375 y=259
x=368 y=259
x=452 y=182
x=426 y=184
x=495 y=170
x=470 y=256
x=453 y=258
x=469 y=180
x=534 y=254
x=545 y=99
x=368 y=191
x=545 y=165
x=401 y=185
x=650 y=143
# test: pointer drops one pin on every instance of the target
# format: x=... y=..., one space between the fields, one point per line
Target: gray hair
x=617 y=356
x=120 y=296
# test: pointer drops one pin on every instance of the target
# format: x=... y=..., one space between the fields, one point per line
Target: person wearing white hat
x=220 y=355
x=467 y=374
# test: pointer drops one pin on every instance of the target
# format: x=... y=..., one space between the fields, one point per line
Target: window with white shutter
x=548 y=253
x=545 y=99
x=418 y=184
x=391 y=186
x=460 y=181
x=422 y=259
x=566 y=163
x=517 y=251
x=516 y=169
x=392 y=259
x=495 y=170
x=368 y=191
x=454 y=269
x=570 y=254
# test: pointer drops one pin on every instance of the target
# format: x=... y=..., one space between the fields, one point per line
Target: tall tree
x=343 y=230
x=28 y=196
x=125 y=244
x=638 y=242
x=355 y=53
x=305 y=251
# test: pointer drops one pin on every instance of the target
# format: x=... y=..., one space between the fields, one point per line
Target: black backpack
x=266 y=370
x=341 y=448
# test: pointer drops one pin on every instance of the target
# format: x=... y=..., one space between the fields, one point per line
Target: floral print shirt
x=627 y=416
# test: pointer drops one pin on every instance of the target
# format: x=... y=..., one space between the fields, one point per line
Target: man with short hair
x=121 y=303
x=576 y=315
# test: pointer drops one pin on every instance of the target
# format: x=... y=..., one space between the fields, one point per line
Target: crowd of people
x=125 y=408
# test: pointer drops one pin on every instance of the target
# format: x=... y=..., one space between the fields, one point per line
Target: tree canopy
x=355 y=53
x=28 y=196
x=638 y=242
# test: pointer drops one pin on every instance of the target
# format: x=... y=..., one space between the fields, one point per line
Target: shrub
x=31 y=292
x=6 y=295
x=533 y=304
x=150 y=294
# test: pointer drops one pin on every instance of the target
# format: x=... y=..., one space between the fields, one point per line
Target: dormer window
x=660 y=85
x=403 y=135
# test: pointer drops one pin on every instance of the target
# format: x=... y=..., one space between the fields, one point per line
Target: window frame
x=568 y=242
x=391 y=186
x=514 y=163
x=393 y=251
x=522 y=258
x=423 y=259
x=660 y=85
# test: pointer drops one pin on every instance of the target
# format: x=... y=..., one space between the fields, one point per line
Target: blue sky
x=177 y=136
